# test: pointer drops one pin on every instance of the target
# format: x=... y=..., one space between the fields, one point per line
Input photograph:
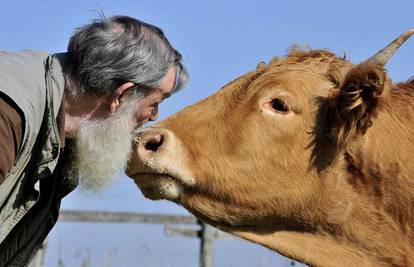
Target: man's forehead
x=169 y=83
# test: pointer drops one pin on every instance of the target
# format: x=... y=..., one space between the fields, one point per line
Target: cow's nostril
x=154 y=143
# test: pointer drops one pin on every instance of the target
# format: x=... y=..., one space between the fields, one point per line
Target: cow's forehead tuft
x=306 y=57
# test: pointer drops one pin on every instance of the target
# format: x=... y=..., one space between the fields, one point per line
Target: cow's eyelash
x=279 y=105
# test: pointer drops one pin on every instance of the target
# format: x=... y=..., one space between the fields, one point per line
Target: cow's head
x=253 y=154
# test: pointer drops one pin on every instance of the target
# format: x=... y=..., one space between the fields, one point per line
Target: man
x=70 y=115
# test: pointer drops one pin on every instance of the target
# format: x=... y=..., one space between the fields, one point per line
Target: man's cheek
x=138 y=121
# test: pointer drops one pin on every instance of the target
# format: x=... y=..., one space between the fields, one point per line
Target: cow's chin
x=157 y=186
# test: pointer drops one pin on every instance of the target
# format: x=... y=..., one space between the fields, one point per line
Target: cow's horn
x=381 y=58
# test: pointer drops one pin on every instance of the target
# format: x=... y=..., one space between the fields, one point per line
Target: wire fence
x=174 y=225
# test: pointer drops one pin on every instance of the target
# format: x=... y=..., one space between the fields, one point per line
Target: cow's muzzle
x=150 y=143
x=158 y=164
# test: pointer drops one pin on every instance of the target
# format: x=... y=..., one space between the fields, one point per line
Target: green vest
x=31 y=193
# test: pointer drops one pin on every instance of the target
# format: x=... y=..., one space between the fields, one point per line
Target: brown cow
x=309 y=155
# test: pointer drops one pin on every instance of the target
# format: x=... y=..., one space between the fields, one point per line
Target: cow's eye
x=279 y=105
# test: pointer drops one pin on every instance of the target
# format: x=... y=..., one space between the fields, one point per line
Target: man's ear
x=115 y=99
x=355 y=103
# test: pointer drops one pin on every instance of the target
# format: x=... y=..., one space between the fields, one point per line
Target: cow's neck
x=315 y=249
x=360 y=241
x=356 y=228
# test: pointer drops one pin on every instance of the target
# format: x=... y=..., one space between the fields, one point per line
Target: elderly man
x=70 y=115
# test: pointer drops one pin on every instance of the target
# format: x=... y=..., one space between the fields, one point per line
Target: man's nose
x=154 y=114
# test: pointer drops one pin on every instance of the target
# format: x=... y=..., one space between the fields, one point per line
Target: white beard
x=103 y=148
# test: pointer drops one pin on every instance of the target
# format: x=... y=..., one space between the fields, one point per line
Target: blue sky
x=220 y=40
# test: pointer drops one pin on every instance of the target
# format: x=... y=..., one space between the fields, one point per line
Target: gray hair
x=111 y=51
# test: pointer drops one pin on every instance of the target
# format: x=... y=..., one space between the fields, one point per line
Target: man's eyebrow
x=167 y=94
x=176 y=90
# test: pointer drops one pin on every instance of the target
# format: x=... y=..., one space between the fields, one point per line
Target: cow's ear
x=355 y=102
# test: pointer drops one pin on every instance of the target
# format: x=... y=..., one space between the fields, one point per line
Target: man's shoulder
x=22 y=76
x=22 y=80
x=25 y=52
x=35 y=57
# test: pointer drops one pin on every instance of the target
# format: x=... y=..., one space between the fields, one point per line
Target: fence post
x=207 y=245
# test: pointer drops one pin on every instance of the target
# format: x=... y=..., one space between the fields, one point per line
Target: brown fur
x=329 y=185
